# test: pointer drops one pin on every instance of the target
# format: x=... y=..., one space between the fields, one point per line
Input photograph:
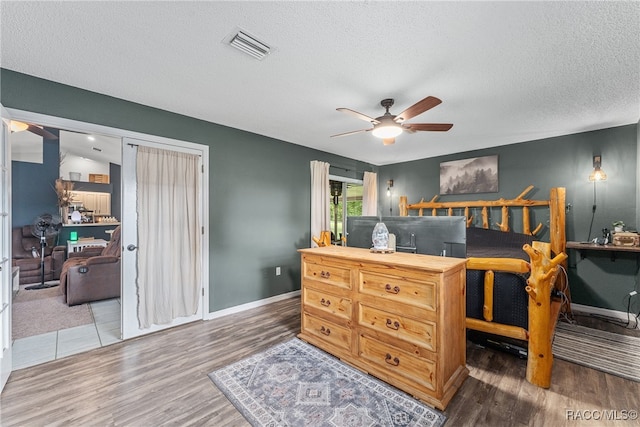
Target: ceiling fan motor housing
x=387 y=103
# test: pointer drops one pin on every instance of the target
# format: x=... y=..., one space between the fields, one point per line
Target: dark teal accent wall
x=564 y=161
x=33 y=185
x=115 y=176
x=259 y=187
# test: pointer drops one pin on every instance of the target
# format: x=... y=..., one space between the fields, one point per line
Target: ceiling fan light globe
x=387 y=131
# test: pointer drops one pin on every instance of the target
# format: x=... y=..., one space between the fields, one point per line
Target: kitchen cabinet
x=99 y=203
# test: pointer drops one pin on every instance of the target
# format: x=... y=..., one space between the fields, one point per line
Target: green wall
x=259 y=190
x=564 y=161
x=33 y=185
x=259 y=187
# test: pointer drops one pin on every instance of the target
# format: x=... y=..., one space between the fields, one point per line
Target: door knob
x=132 y=247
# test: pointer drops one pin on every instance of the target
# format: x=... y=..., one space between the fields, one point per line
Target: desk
x=79 y=245
x=580 y=246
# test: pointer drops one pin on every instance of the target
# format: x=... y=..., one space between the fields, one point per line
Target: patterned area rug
x=605 y=351
x=296 y=384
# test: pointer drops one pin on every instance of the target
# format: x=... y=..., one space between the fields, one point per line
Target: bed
x=514 y=286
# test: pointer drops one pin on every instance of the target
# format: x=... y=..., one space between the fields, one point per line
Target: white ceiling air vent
x=249 y=45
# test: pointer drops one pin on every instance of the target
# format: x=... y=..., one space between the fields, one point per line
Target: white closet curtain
x=370 y=194
x=169 y=262
x=319 y=199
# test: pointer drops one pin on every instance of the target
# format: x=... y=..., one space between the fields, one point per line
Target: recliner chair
x=22 y=242
x=92 y=274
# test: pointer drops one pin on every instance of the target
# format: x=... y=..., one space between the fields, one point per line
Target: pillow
x=34 y=252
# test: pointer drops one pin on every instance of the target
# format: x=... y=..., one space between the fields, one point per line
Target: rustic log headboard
x=556 y=204
x=542 y=270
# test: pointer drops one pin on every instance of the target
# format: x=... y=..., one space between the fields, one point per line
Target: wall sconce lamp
x=597 y=174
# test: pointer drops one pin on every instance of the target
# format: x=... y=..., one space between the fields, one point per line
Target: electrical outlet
x=632 y=293
x=278 y=271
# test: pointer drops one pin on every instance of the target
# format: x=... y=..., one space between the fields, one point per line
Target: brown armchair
x=22 y=242
x=92 y=274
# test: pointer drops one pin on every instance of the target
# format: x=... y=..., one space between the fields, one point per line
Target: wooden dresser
x=400 y=317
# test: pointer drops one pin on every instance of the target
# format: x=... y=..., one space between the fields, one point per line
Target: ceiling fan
x=16 y=126
x=389 y=126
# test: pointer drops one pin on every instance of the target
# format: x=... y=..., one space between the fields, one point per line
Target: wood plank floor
x=161 y=380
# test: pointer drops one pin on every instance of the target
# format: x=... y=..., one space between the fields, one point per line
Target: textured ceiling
x=506 y=72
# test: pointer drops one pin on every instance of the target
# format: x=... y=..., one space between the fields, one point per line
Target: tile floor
x=43 y=348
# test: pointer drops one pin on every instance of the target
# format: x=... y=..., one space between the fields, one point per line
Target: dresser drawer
x=327 y=331
x=325 y=301
x=398 y=363
x=326 y=273
x=418 y=293
x=421 y=333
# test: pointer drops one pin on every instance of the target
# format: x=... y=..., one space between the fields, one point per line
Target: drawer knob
x=325 y=274
x=391 y=361
x=394 y=290
x=324 y=302
x=393 y=325
x=325 y=331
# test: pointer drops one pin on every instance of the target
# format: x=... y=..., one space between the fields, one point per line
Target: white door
x=130 y=251
x=6 y=282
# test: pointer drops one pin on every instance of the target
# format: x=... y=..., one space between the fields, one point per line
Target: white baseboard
x=613 y=314
x=250 y=305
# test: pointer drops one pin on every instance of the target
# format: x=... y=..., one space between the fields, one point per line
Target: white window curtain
x=319 y=199
x=370 y=194
x=167 y=193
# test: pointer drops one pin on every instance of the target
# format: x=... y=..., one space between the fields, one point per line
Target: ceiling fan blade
x=352 y=132
x=42 y=132
x=389 y=141
x=434 y=127
x=418 y=108
x=359 y=115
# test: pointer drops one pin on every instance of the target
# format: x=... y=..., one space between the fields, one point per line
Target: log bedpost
x=558 y=237
x=404 y=211
x=544 y=272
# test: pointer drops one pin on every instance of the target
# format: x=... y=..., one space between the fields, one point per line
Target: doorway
x=68 y=172
x=128 y=283
x=166 y=175
x=346 y=201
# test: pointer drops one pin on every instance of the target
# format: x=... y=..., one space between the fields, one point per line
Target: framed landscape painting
x=475 y=175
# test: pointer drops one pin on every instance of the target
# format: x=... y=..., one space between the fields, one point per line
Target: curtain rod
x=136 y=145
x=347 y=170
